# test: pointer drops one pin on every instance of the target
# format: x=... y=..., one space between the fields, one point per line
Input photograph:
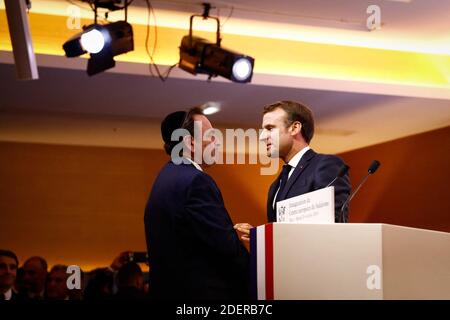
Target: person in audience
x=34 y=278
x=8 y=273
x=130 y=282
x=100 y=284
x=57 y=283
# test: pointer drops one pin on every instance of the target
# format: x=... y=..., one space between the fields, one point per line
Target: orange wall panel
x=410 y=188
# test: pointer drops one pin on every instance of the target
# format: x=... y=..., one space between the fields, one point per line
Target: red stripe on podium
x=269 y=261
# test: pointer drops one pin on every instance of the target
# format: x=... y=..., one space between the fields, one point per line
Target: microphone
x=342 y=171
x=372 y=169
x=374 y=166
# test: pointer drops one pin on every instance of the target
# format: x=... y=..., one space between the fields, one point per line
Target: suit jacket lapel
x=272 y=190
x=304 y=161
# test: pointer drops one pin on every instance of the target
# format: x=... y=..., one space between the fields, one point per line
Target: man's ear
x=296 y=128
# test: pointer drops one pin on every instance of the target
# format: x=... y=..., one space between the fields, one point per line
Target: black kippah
x=171 y=123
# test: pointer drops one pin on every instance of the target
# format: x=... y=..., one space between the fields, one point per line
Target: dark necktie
x=283 y=179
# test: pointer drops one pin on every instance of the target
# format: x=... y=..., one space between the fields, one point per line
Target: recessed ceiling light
x=211 y=107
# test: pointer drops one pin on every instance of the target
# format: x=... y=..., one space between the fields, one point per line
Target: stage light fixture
x=93 y=41
x=198 y=55
x=102 y=42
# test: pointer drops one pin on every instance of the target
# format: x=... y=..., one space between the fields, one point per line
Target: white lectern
x=349 y=261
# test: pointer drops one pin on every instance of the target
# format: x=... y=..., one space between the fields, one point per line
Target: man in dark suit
x=288 y=128
x=8 y=273
x=33 y=279
x=194 y=252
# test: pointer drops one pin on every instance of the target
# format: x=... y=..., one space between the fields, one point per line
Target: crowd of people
x=123 y=279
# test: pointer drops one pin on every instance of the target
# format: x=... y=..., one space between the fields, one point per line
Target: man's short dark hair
x=58 y=267
x=177 y=120
x=41 y=260
x=10 y=254
x=295 y=112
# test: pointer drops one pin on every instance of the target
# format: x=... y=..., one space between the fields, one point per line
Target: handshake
x=244 y=230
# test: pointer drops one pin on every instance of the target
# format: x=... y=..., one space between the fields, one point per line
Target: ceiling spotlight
x=92 y=41
x=242 y=68
x=102 y=42
x=198 y=55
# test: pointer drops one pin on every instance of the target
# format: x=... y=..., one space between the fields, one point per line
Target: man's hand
x=120 y=260
x=244 y=229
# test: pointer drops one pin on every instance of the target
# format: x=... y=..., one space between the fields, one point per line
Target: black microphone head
x=343 y=170
x=374 y=166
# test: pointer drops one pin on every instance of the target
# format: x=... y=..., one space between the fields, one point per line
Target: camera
x=138 y=257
